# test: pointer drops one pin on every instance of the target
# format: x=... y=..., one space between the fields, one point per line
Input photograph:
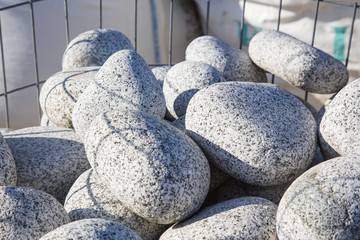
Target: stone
x=89 y=197
x=153 y=168
x=45 y=121
x=49 y=159
x=297 y=62
x=339 y=130
x=183 y=80
x=240 y=218
x=8 y=175
x=233 y=63
x=323 y=203
x=160 y=73
x=179 y=123
x=60 y=92
x=125 y=81
x=93 y=48
x=27 y=213
x=94 y=229
x=255 y=132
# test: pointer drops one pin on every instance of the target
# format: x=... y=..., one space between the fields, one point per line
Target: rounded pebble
x=255 y=132
x=45 y=122
x=93 y=48
x=323 y=203
x=297 y=62
x=8 y=176
x=160 y=73
x=241 y=218
x=153 y=168
x=27 y=213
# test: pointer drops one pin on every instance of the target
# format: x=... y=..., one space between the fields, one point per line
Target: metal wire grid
x=37 y=82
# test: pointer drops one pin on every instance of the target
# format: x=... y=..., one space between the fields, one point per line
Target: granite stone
x=160 y=73
x=183 y=80
x=8 y=176
x=297 y=62
x=93 y=48
x=27 y=213
x=45 y=122
x=240 y=218
x=125 y=81
x=323 y=203
x=47 y=158
x=233 y=63
x=89 y=197
x=153 y=168
x=60 y=92
x=91 y=229
x=255 y=132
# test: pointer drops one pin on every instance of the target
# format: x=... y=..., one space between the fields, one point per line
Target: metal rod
x=242 y=24
x=4 y=80
x=66 y=21
x=207 y=17
x=100 y=20
x=17 y=5
x=277 y=29
x=135 y=38
x=21 y=88
x=351 y=34
x=171 y=30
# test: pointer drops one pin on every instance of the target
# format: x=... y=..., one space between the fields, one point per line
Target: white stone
x=8 y=176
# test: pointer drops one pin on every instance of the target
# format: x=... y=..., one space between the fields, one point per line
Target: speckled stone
x=183 y=80
x=60 y=92
x=339 y=130
x=179 y=123
x=323 y=203
x=125 y=81
x=233 y=63
x=322 y=111
x=93 y=48
x=94 y=229
x=45 y=121
x=297 y=62
x=153 y=168
x=27 y=213
x=255 y=132
x=47 y=158
x=89 y=197
x=8 y=175
x=241 y=218
x=160 y=73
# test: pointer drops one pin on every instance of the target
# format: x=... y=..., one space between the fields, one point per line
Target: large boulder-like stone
x=8 y=176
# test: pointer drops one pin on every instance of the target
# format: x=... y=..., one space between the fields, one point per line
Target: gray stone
x=241 y=218
x=45 y=122
x=89 y=197
x=233 y=63
x=339 y=130
x=93 y=48
x=153 y=168
x=323 y=203
x=160 y=73
x=8 y=175
x=255 y=132
x=60 y=92
x=125 y=81
x=297 y=62
x=183 y=80
x=27 y=213
x=47 y=158
x=179 y=123
x=94 y=229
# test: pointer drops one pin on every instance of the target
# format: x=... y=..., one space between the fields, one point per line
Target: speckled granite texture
x=89 y=197
x=160 y=73
x=125 y=81
x=255 y=132
x=241 y=218
x=183 y=80
x=91 y=229
x=153 y=168
x=45 y=121
x=93 y=48
x=339 y=130
x=323 y=203
x=8 y=176
x=233 y=63
x=27 y=213
x=297 y=62
x=47 y=158
x=60 y=92
x=179 y=123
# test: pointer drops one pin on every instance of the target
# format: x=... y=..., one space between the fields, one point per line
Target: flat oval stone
x=94 y=229
x=47 y=158
x=255 y=132
x=297 y=62
x=125 y=81
x=240 y=218
x=323 y=203
x=89 y=197
x=60 y=92
x=154 y=169
x=8 y=176
x=233 y=63
x=27 y=213
x=93 y=48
